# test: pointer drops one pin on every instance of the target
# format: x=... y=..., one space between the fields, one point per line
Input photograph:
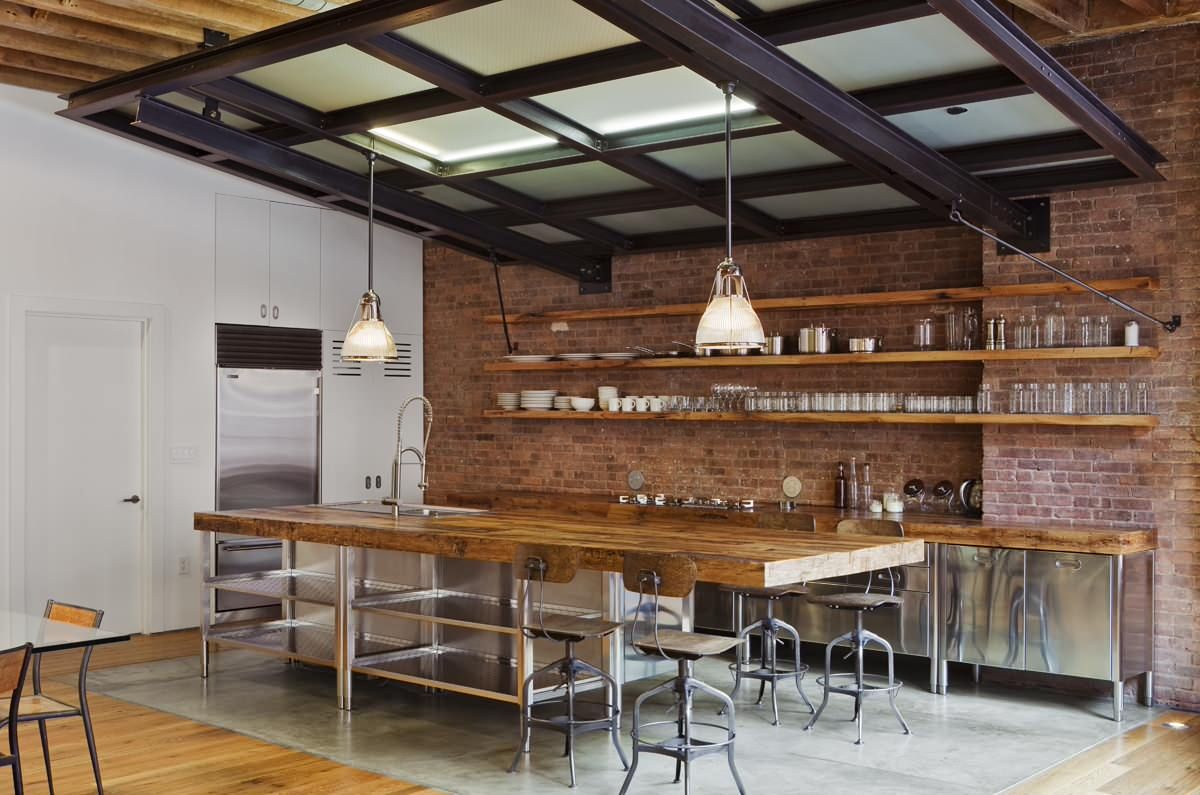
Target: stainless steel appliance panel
x=1068 y=599
x=714 y=608
x=1136 y=617
x=905 y=627
x=982 y=604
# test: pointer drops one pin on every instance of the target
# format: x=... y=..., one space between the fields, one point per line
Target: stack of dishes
x=562 y=402
x=508 y=401
x=538 y=399
x=576 y=357
x=606 y=393
x=618 y=356
x=528 y=358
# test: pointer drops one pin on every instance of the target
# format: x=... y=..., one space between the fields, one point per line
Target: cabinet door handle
x=1074 y=564
x=368 y=481
x=262 y=310
x=275 y=312
x=379 y=481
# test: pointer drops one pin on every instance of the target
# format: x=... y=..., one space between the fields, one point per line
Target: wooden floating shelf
x=856 y=417
x=825 y=359
x=892 y=298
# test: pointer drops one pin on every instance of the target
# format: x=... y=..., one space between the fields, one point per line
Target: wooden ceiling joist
x=1067 y=15
x=19 y=17
x=57 y=67
x=39 y=81
x=68 y=50
x=234 y=19
x=108 y=13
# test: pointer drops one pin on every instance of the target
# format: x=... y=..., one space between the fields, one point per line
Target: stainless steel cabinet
x=1068 y=609
x=982 y=601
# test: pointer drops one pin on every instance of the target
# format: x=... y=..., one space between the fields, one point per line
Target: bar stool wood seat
x=859 y=684
x=783 y=591
x=656 y=576
x=538 y=564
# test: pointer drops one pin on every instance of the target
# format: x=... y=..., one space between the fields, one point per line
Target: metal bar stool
x=862 y=685
x=543 y=564
x=769 y=627
x=675 y=576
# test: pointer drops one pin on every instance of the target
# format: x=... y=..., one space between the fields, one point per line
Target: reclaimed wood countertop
x=931 y=527
x=759 y=557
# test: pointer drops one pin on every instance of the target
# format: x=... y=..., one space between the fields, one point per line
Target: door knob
x=135 y=499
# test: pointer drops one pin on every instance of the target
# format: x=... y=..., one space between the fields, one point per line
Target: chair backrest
x=665 y=574
x=545 y=563
x=14 y=663
x=870 y=527
x=73 y=614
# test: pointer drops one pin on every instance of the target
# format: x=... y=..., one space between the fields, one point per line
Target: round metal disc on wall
x=636 y=479
x=792 y=486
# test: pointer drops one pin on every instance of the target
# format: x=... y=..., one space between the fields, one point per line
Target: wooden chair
x=538 y=564
x=40 y=708
x=769 y=628
x=861 y=603
x=14 y=663
x=655 y=576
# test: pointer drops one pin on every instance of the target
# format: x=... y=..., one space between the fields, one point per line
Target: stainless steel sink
x=405 y=509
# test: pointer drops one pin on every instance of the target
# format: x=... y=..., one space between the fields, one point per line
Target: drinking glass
x=1141 y=398
x=1049 y=399
x=984 y=399
x=1103 y=335
x=1105 y=398
x=1121 y=401
x=1087 y=399
x=970 y=330
x=1083 y=333
x=1067 y=399
x=1033 y=399
x=954 y=328
x=1016 y=398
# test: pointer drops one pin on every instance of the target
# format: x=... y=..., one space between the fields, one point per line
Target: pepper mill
x=1001 y=342
x=991 y=334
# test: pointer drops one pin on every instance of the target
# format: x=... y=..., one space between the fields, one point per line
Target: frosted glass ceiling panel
x=877 y=56
x=649 y=100
x=859 y=199
x=516 y=33
x=660 y=220
x=335 y=78
x=994 y=120
x=545 y=233
x=750 y=156
x=467 y=135
x=456 y=199
x=564 y=182
x=341 y=156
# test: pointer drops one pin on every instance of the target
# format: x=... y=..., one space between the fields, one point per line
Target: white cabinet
x=358 y=422
x=268 y=263
x=344 y=273
x=398 y=282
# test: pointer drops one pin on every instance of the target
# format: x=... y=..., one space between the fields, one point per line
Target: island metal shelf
x=302 y=586
x=828 y=359
x=296 y=640
x=839 y=417
x=446 y=668
x=453 y=608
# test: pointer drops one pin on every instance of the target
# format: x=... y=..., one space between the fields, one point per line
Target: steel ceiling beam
x=355 y=21
x=323 y=179
x=694 y=34
x=1014 y=48
x=530 y=114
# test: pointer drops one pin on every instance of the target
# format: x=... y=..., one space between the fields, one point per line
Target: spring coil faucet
x=419 y=452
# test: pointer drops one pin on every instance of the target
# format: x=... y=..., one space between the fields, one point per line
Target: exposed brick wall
x=1111 y=477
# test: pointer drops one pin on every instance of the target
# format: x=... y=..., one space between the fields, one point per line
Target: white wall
x=85 y=214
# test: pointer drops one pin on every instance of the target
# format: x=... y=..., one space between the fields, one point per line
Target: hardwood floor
x=1148 y=759
x=146 y=752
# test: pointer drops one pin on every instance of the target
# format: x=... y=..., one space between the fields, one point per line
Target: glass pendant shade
x=729 y=323
x=368 y=339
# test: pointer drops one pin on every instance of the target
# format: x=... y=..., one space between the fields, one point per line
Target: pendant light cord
x=500 y=295
x=371 y=222
x=729 y=88
x=1170 y=326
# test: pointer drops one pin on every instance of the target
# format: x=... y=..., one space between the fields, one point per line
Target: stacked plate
x=508 y=401
x=528 y=358
x=538 y=399
x=576 y=357
x=562 y=402
x=605 y=393
x=618 y=355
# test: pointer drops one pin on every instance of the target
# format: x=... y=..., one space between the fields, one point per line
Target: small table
x=47 y=635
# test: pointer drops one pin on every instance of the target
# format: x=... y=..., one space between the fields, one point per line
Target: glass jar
x=1066 y=400
x=1016 y=398
x=1033 y=399
x=1141 y=398
x=1104 y=398
x=1121 y=401
x=1103 y=332
x=1083 y=332
x=1054 y=328
x=1087 y=399
x=983 y=400
x=1049 y=399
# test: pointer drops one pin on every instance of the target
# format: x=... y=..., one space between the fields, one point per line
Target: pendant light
x=729 y=323
x=368 y=339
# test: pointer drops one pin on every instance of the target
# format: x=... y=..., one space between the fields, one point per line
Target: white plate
x=624 y=356
x=528 y=358
x=576 y=357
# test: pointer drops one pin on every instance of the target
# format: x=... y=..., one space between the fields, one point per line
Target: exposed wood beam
x=1150 y=8
x=694 y=34
x=32 y=62
x=275 y=8
x=235 y=20
x=37 y=80
x=20 y=17
x=321 y=178
x=110 y=14
x=1068 y=15
x=1012 y=47
x=70 y=50
x=360 y=20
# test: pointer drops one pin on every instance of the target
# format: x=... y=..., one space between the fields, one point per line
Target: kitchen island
x=455 y=626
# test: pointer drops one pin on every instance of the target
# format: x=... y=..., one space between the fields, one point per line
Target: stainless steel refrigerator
x=268 y=452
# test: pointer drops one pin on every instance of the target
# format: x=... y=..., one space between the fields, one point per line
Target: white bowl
x=582 y=403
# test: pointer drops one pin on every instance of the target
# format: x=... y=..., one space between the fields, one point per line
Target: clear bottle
x=1054 y=332
x=1035 y=330
x=865 y=496
x=1141 y=398
x=1103 y=332
x=983 y=399
x=1083 y=336
x=1066 y=400
x=1104 y=399
x=839 y=487
x=1121 y=401
x=1049 y=399
x=1022 y=333
x=1087 y=399
x=852 y=484
x=1033 y=399
x=1015 y=398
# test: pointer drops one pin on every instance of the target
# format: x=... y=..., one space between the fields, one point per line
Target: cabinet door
x=242 y=272
x=983 y=609
x=1068 y=604
x=398 y=263
x=295 y=266
x=343 y=267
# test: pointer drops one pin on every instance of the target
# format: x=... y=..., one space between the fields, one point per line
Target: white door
x=243 y=250
x=295 y=266
x=83 y=465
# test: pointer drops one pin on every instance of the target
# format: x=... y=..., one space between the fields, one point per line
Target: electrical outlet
x=185 y=565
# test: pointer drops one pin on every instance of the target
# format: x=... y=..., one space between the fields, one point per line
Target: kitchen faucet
x=419 y=452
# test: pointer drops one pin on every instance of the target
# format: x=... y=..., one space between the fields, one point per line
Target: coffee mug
x=642 y=404
x=656 y=404
x=627 y=403
x=614 y=404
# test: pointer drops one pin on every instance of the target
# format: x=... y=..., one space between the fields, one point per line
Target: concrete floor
x=979 y=739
